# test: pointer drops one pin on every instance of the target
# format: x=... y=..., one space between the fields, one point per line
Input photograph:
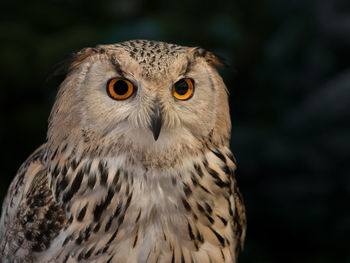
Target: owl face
x=150 y=94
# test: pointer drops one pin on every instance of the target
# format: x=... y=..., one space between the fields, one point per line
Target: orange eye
x=183 y=89
x=120 y=89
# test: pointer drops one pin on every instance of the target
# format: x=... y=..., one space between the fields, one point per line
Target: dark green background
x=290 y=100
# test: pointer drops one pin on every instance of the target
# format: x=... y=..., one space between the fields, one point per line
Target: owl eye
x=120 y=89
x=183 y=89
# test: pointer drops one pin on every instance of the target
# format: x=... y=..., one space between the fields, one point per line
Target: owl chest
x=129 y=214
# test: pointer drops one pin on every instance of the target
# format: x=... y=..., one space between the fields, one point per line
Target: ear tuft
x=78 y=58
x=213 y=59
x=71 y=61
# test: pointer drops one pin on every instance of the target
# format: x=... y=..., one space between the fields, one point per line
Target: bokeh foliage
x=289 y=95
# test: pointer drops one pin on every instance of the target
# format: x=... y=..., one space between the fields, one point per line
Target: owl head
x=141 y=95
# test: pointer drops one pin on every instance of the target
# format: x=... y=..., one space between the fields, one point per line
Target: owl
x=136 y=166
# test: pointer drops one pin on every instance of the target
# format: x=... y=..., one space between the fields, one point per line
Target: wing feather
x=30 y=217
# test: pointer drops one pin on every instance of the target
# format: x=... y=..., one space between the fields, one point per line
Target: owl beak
x=156 y=122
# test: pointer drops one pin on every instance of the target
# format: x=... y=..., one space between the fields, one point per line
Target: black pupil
x=181 y=87
x=120 y=87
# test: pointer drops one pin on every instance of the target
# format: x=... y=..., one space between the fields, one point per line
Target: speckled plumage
x=102 y=189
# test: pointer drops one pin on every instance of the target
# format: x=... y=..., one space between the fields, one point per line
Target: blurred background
x=290 y=100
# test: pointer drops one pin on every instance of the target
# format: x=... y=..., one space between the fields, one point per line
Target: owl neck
x=80 y=168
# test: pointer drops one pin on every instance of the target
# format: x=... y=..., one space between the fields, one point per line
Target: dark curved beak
x=156 y=121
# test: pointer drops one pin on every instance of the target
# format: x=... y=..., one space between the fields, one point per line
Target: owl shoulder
x=30 y=217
